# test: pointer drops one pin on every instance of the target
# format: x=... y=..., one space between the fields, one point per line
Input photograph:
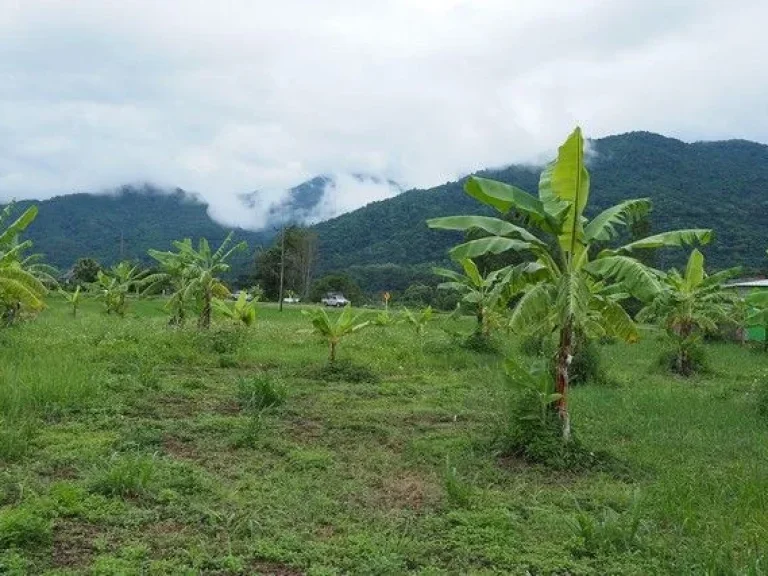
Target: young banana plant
x=242 y=312
x=332 y=331
x=72 y=298
x=419 y=320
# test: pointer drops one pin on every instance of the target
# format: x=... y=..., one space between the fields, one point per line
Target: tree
x=199 y=270
x=19 y=287
x=333 y=332
x=688 y=304
x=298 y=256
x=575 y=294
x=85 y=271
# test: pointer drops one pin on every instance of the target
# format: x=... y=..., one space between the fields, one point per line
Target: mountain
x=387 y=245
x=123 y=224
x=719 y=185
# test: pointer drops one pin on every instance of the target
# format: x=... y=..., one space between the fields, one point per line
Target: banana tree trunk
x=564 y=357
x=332 y=356
x=205 y=314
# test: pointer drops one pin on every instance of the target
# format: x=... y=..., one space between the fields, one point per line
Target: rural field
x=129 y=447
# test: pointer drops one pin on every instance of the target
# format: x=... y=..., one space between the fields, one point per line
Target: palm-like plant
x=115 y=284
x=487 y=296
x=419 y=320
x=197 y=271
x=18 y=286
x=242 y=312
x=72 y=298
x=757 y=313
x=572 y=294
x=689 y=304
x=332 y=331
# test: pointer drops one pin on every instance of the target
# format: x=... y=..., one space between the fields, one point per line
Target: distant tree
x=418 y=295
x=336 y=283
x=85 y=271
x=299 y=262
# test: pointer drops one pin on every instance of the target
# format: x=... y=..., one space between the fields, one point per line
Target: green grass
x=127 y=447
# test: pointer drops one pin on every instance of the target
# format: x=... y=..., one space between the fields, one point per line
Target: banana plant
x=420 y=320
x=487 y=296
x=72 y=298
x=690 y=304
x=114 y=286
x=242 y=311
x=19 y=287
x=199 y=271
x=563 y=296
x=332 y=331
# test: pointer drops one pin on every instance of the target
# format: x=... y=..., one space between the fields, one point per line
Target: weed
x=611 y=531
x=457 y=490
x=128 y=475
x=260 y=392
x=15 y=438
x=23 y=527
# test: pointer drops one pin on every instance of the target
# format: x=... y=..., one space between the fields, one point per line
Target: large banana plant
x=19 y=287
x=757 y=312
x=570 y=294
x=332 y=331
x=689 y=304
x=195 y=273
x=487 y=296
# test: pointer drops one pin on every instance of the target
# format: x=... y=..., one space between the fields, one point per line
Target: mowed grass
x=131 y=448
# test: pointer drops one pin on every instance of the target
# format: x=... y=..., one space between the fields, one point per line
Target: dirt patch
x=179 y=449
x=306 y=429
x=228 y=407
x=73 y=544
x=407 y=491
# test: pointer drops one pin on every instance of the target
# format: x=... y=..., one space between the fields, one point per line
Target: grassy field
x=130 y=448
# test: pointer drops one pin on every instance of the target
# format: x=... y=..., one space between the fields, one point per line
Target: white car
x=334 y=299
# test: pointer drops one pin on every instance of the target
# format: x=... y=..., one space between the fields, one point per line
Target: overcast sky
x=224 y=97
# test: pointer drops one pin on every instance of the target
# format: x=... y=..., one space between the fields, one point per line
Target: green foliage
x=114 y=286
x=344 y=371
x=195 y=274
x=242 y=311
x=85 y=271
x=20 y=281
x=689 y=305
x=23 y=527
x=72 y=298
x=567 y=293
x=418 y=320
x=332 y=331
x=299 y=256
x=260 y=392
x=611 y=531
x=128 y=475
x=458 y=492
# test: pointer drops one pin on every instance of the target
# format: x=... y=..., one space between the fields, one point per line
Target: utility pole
x=282 y=263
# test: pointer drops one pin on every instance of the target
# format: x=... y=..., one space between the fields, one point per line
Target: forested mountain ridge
x=723 y=185
x=720 y=185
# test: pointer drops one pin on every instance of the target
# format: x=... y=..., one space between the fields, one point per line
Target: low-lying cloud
x=226 y=98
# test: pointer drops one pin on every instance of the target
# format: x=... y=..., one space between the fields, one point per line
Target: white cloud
x=228 y=97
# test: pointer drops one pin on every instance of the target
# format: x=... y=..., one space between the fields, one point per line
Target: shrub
x=260 y=392
x=694 y=355
x=222 y=341
x=125 y=475
x=762 y=399
x=479 y=342
x=23 y=528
